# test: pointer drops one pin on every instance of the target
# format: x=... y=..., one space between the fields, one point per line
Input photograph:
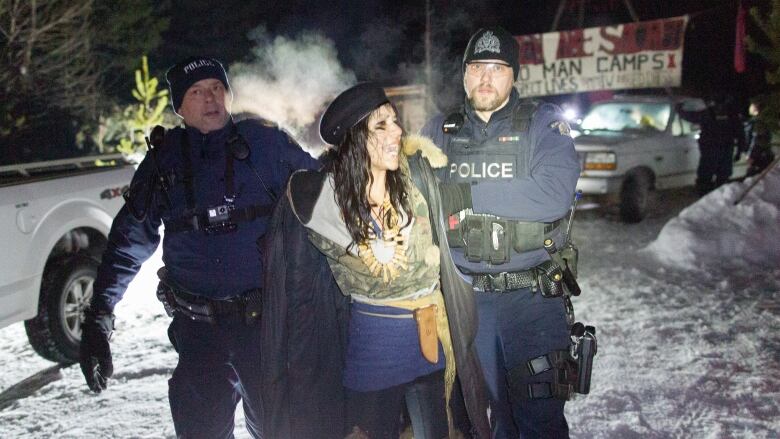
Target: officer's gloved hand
x=455 y=197
x=95 y=352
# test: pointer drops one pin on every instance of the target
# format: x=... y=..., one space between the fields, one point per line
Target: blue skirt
x=383 y=352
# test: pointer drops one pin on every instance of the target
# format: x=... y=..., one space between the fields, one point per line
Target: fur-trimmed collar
x=428 y=149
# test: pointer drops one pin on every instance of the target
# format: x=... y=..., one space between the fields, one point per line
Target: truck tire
x=634 y=196
x=66 y=289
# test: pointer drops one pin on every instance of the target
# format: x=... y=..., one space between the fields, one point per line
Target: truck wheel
x=634 y=197
x=66 y=291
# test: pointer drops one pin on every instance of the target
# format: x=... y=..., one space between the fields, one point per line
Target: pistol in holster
x=584 y=347
x=571 y=369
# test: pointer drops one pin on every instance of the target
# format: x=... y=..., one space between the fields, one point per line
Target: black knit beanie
x=181 y=76
x=493 y=43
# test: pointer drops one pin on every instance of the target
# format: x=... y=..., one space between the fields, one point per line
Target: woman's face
x=384 y=139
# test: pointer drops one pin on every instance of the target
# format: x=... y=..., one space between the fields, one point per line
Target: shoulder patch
x=562 y=127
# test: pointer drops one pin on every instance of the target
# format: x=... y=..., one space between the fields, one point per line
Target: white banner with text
x=646 y=54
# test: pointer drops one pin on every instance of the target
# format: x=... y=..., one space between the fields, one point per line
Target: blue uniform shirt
x=214 y=266
x=544 y=195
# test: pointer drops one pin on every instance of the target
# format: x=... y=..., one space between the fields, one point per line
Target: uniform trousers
x=515 y=327
x=219 y=365
x=715 y=166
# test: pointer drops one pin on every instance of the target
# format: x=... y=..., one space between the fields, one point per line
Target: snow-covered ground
x=686 y=305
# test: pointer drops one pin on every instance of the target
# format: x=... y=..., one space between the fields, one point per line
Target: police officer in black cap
x=510 y=181
x=211 y=184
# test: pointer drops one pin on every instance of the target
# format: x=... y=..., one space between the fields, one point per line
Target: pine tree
x=148 y=112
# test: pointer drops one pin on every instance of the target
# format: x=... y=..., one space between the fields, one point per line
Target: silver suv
x=631 y=145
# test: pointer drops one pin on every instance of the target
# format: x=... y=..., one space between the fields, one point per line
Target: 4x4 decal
x=113 y=192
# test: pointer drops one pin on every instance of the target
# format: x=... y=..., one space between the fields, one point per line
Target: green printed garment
x=328 y=232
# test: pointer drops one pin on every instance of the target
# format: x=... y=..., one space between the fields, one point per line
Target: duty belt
x=505 y=281
x=545 y=277
x=204 y=309
x=549 y=227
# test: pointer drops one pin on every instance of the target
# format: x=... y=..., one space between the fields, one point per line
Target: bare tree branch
x=47 y=54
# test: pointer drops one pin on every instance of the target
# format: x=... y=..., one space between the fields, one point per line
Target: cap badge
x=562 y=126
x=487 y=43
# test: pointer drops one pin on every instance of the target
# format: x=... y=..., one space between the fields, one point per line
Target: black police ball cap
x=349 y=108
x=493 y=43
x=181 y=76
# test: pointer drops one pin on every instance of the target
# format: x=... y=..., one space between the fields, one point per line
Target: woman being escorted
x=375 y=229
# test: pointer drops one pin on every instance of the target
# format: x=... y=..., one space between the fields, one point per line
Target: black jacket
x=305 y=319
x=303 y=326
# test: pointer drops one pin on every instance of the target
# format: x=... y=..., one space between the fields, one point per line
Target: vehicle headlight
x=600 y=161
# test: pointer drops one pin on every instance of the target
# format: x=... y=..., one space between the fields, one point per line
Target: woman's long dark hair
x=350 y=165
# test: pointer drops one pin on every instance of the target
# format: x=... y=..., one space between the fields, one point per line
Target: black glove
x=95 y=352
x=455 y=197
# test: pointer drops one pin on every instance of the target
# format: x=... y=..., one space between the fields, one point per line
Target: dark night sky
x=375 y=37
x=383 y=40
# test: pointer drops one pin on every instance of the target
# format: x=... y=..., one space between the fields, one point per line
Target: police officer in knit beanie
x=218 y=202
x=181 y=76
x=493 y=43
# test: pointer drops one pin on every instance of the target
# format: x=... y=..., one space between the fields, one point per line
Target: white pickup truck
x=631 y=145
x=54 y=222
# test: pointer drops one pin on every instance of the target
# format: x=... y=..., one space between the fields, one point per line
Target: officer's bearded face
x=203 y=105
x=488 y=89
x=384 y=139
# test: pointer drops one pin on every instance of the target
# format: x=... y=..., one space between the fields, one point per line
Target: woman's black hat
x=349 y=108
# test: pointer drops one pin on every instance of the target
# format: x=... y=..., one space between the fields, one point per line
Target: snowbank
x=715 y=232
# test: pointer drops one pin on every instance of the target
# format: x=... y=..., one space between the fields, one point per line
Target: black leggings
x=378 y=413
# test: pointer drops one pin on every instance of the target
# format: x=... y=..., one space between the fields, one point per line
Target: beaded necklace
x=390 y=230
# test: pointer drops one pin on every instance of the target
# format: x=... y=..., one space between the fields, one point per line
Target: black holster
x=176 y=303
x=571 y=369
x=549 y=277
x=177 y=299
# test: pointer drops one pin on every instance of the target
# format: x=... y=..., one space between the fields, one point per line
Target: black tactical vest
x=503 y=157
x=487 y=238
